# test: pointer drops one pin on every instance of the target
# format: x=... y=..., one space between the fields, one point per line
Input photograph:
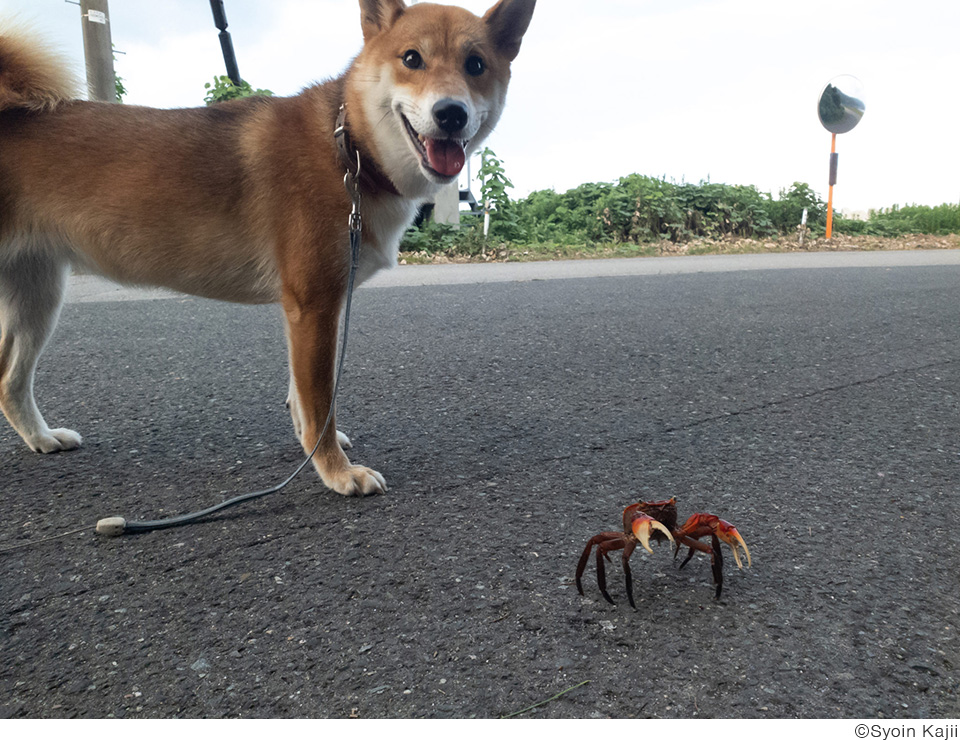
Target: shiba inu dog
x=242 y=201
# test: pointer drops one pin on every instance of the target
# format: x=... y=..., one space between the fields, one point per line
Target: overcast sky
x=724 y=90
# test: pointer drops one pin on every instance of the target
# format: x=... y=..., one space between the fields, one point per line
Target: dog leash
x=115 y=526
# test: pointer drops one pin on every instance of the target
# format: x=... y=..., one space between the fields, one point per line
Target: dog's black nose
x=450 y=115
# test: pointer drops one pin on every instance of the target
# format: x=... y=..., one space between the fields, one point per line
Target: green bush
x=787 y=211
x=640 y=210
x=222 y=88
x=842 y=225
x=546 y=216
x=942 y=219
x=429 y=237
x=897 y=221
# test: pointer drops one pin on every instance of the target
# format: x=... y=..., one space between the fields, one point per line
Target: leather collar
x=371 y=178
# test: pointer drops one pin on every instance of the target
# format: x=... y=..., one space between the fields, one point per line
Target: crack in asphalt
x=804 y=396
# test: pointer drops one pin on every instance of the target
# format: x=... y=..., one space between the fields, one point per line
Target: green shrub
x=942 y=219
x=640 y=210
x=787 y=211
x=546 y=216
x=222 y=88
x=429 y=237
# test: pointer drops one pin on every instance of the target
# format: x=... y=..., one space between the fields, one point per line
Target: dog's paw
x=55 y=440
x=344 y=441
x=356 y=480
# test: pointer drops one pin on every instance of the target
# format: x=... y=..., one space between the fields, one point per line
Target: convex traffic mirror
x=841 y=104
x=840 y=108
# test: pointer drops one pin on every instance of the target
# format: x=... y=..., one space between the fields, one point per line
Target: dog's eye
x=474 y=66
x=412 y=59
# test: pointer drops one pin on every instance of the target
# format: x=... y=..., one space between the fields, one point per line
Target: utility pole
x=98 y=50
x=226 y=43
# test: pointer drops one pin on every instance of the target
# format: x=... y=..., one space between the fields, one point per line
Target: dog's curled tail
x=30 y=77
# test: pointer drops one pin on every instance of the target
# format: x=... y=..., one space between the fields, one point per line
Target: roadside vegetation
x=646 y=216
x=222 y=89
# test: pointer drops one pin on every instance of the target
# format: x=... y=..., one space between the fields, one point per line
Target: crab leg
x=627 y=552
x=602 y=550
x=602 y=542
x=716 y=557
x=694 y=547
x=703 y=525
x=642 y=526
x=584 y=558
x=717 y=562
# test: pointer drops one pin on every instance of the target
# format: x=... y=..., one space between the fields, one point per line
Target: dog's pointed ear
x=377 y=16
x=508 y=21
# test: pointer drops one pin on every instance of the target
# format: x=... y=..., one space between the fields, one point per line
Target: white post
x=446 y=206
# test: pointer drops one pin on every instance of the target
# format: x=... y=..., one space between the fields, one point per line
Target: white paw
x=356 y=480
x=344 y=441
x=55 y=440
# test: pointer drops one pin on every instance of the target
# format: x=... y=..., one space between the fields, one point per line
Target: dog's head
x=431 y=82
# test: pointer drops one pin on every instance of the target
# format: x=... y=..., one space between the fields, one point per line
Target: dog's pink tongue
x=445 y=156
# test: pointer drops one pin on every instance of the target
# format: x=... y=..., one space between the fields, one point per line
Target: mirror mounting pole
x=833 y=181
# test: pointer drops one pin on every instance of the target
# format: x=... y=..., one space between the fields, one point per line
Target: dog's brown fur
x=242 y=201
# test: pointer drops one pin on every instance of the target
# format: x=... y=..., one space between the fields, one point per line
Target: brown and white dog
x=242 y=201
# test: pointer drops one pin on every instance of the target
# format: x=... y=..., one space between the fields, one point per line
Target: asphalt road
x=816 y=409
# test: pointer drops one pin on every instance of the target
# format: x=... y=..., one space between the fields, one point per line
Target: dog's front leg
x=293 y=403
x=312 y=334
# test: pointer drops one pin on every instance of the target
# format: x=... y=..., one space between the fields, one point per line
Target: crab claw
x=729 y=534
x=643 y=526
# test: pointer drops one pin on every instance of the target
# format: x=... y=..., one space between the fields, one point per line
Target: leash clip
x=351 y=181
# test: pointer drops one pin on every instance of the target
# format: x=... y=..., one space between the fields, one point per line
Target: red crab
x=657 y=520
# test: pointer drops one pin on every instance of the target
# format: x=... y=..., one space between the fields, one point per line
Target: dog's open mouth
x=446 y=157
